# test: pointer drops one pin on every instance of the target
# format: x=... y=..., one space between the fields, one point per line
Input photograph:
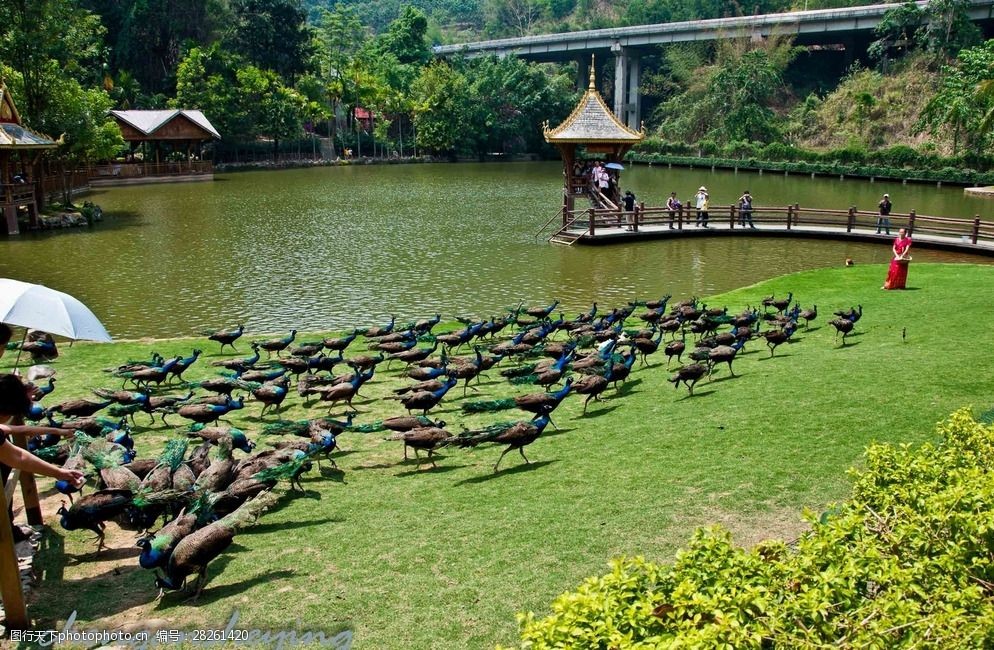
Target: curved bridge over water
x=845 y=27
x=601 y=226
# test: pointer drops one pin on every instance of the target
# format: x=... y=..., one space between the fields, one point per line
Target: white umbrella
x=37 y=307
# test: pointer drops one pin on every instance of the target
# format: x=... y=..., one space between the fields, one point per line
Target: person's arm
x=33 y=430
x=14 y=456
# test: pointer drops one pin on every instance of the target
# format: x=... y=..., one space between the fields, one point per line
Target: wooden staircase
x=566 y=238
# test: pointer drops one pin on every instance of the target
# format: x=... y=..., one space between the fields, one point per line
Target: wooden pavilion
x=595 y=130
x=20 y=152
x=159 y=134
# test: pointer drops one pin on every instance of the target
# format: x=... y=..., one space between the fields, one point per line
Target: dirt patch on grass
x=750 y=528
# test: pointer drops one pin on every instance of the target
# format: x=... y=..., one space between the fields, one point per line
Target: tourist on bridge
x=673 y=205
x=883 y=221
x=897 y=274
x=702 y=202
x=629 y=202
x=745 y=209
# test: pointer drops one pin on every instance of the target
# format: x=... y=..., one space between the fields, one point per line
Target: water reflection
x=335 y=247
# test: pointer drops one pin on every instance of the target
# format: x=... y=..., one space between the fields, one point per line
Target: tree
x=338 y=38
x=964 y=103
x=405 y=38
x=45 y=41
x=733 y=98
x=275 y=111
x=511 y=98
x=514 y=17
x=147 y=37
x=272 y=34
x=948 y=28
x=442 y=102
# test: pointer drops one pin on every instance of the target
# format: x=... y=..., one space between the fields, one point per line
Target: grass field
x=445 y=558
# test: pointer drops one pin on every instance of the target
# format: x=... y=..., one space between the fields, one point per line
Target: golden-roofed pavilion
x=591 y=131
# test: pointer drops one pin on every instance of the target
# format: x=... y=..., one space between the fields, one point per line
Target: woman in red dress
x=897 y=276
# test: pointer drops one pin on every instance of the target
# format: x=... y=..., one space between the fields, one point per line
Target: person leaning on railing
x=15 y=402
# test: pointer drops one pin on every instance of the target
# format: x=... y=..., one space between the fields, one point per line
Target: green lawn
x=445 y=558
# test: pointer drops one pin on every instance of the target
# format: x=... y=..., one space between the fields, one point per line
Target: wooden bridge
x=610 y=226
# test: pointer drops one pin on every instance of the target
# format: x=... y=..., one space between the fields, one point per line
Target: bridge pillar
x=582 y=72
x=627 y=70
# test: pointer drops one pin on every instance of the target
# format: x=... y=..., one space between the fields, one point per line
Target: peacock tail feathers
x=146 y=497
x=488 y=406
x=585 y=341
x=104 y=456
x=367 y=428
x=426 y=338
x=286 y=427
x=526 y=380
x=519 y=371
x=49 y=453
x=249 y=511
x=287 y=471
x=120 y=411
x=173 y=453
x=480 y=436
x=203 y=506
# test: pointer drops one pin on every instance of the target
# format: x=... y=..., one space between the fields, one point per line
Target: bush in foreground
x=907 y=561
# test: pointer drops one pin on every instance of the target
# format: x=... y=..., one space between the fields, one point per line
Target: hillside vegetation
x=873 y=109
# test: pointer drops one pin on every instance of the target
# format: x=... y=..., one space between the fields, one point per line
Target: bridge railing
x=971 y=231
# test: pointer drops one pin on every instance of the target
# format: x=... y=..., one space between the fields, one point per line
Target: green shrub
x=907 y=561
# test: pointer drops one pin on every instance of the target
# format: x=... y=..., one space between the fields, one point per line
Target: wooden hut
x=20 y=151
x=159 y=134
x=594 y=130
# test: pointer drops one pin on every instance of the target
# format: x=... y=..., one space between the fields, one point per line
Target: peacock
x=277 y=345
x=516 y=435
x=346 y=391
x=778 y=337
x=593 y=385
x=183 y=364
x=242 y=363
x=226 y=337
x=221 y=470
x=620 y=371
x=91 y=511
x=426 y=325
x=427 y=438
x=214 y=434
x=424 y=401
x=194 y=552
x=262 y=376
x=842 y=326
x=372 y=332
x=853 y=314
x=148 y=376
x=78 y=407
x=541 y=313
x=339 y=344
x=272 y=394
x=689 y=375
x=132 y=365
x=724 y=354
x=537 y=403
x=646 y=347
x=809 y=315
x=204 y=413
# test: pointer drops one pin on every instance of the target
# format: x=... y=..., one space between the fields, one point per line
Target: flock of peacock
x=209 y=480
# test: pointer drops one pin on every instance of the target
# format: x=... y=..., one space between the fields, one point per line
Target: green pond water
x=337 y=247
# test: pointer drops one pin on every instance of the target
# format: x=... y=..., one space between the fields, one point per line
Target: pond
x=337 y=247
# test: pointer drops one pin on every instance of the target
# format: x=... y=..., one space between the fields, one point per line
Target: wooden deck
x=611 y=227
